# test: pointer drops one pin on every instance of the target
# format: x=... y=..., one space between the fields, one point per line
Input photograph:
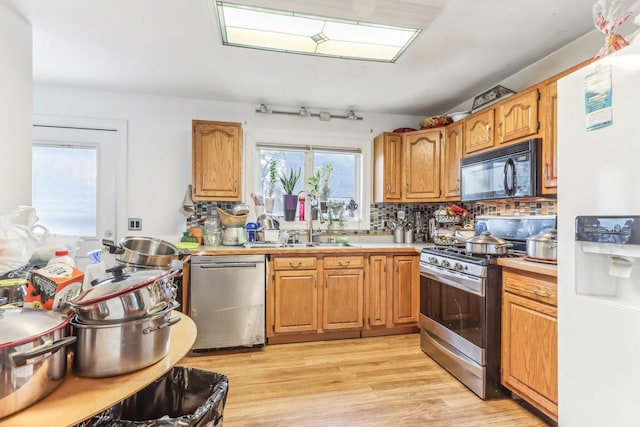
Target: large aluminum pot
x=268 y=222
x=33 y=361
x=543 y=246
x=147 y=251
x=486 y=244
x=114 y=349
x=125 y=297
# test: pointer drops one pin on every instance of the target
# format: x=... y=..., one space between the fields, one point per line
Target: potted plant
x=319 y=186
x=272 y=178
x=289 y=199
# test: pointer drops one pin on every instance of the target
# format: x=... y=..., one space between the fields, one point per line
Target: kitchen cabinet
x=478 y=131
x=295 y=295
x=317 y=294
x=529 y=366
x=549 y=114
x=392 y=298
x=387 y=170
x=517 y=117
x=421 y=169
x=406 y=289
x=450 y=156
x=343 y=292
x=217 y=161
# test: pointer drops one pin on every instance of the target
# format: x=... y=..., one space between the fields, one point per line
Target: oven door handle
x=471 y=367
x=450 y=278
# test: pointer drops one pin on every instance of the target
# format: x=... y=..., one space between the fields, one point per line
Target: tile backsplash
x=380 y=212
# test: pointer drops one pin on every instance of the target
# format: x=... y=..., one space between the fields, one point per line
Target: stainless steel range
x=460 y=303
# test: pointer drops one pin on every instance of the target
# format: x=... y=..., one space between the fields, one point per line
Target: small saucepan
x=144 y=251
x=543 y=246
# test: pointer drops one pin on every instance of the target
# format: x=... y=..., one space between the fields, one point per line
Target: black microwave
x=503 y=173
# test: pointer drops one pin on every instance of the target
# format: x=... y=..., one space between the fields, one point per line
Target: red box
x=52 y=286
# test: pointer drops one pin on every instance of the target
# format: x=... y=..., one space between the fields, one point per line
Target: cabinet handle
x=541 y=292
x=315 y=282
x=326 y=281
x=500 y=129
x=407 y=187
x=458 y=185
x=343 y=263
x=546 y=171
x=235 y=185
x=296 y=265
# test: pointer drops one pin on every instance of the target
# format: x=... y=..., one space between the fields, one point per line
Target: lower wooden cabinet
x=529 y=365
x=392 y=298
x=311 y=297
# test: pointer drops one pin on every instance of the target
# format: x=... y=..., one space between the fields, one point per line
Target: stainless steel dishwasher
x=227 y=301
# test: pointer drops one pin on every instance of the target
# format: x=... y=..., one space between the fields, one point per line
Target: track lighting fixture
x=303 y=112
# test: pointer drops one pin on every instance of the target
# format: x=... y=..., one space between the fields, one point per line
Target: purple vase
x=290 y=205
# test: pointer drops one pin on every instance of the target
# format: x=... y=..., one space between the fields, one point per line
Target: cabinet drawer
x=531 y=285
x=344 y=261
x=295 y=263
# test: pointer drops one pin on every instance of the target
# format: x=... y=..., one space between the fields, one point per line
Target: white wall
x=566 y=57
x=159 y=141
x=15 y=110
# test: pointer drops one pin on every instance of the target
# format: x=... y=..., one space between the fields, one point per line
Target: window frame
x=322 y=143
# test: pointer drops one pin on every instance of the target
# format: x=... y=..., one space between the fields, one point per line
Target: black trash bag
x=183 y=397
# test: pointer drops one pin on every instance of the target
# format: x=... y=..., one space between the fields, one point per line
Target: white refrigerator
x=599 y=282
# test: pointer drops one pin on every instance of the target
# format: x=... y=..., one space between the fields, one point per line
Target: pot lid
x=119 y=284
x=550 y=236
x=22 y=325
x=485 y=238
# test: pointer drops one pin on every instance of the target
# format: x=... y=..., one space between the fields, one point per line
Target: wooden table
x=78 y=398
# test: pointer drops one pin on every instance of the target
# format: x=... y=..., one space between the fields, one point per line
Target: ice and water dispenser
x=606 y=264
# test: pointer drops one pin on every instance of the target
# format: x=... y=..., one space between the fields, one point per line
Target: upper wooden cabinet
x=450 y=161
x=217 y=161
x=478 y=131
x=517 y=116
x=421 y=171
x=387 y=170
x=549 y=115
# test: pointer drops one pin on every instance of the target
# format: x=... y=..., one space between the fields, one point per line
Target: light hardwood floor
x=381 y=381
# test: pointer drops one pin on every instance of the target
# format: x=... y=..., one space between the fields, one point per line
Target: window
x=345 y=183
x=65 y=188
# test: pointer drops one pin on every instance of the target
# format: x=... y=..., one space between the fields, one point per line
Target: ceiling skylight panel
x=248 y=26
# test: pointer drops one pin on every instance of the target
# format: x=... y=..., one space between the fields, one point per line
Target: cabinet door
x=450 y=166
x=296 y=301
x=405 y=289
x=343 y=299
x=530 y=351
x=377 y=295
x=517 y=117
x=217 y=160
x=387 y=154
x=549 y=114
x=478 y=131
x=422 y=165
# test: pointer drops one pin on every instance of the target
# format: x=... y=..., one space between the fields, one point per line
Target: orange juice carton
x=52 y=286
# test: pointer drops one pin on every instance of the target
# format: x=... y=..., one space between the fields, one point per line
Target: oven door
x=453 y=312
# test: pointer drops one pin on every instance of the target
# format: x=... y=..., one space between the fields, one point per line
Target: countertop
x=355 y=247
x=78 y=398
x=530 y=266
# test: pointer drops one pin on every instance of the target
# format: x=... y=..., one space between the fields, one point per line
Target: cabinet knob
x=343 y=263
x=295 y=265
x=541 y=292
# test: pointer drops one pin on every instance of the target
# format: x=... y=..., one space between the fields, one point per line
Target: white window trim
x=252 y=139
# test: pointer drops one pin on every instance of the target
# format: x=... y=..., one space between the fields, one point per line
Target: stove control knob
x=445 y=263
x=433 y=260
x=459 y=267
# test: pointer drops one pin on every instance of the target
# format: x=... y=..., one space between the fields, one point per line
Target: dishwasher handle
x=229 y=265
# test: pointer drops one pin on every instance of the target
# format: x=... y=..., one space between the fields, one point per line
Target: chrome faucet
x=311 y=235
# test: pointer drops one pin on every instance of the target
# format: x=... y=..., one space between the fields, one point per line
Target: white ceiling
x=173 y=47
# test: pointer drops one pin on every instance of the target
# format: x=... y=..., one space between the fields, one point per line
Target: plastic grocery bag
x=608 y=16
x=16 y=238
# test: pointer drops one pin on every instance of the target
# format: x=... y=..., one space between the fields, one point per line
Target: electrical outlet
x=135 y=224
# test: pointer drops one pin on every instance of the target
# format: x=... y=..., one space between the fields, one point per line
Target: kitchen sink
x=319 y=245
